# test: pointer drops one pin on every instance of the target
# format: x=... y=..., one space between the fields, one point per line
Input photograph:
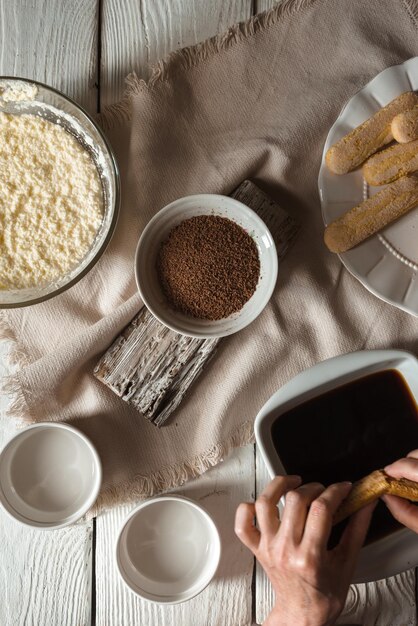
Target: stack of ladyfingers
x=395 y=166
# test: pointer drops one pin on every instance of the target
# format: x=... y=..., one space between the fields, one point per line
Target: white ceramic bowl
x=50 y=475
x=391 y=554
x=168 y=550
x=158 y=229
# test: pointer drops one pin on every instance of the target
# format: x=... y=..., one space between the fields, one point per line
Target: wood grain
x=264 y=5
x=227 y=599
x=52 y=41
x=389 y=602
x=45 y=576
x=264 y=594
x=136 y=33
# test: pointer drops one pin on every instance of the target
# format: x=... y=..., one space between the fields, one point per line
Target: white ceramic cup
x=168 y=549
x=50 y=475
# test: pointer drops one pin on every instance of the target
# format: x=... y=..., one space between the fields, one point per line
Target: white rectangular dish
x=391 y=554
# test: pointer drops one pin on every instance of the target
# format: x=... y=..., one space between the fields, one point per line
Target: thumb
x=403 y=511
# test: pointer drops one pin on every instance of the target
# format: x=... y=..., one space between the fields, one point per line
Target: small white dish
x=387 y=263
x=50 y=475
x=168 y=550
x=398 y=551
x=158 y=229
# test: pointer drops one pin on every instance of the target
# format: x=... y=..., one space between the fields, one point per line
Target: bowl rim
x=94 y=492
x=166 y=498
x=273 y=269
x=116 y=208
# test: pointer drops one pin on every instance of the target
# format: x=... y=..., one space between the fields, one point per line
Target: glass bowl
x=53 y=106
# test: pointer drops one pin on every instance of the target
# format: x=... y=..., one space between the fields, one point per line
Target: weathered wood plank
x=54 y=42
x=45 y=576
x=227 y=599
x=389 y=602
x=264 y=5
x=136 y=33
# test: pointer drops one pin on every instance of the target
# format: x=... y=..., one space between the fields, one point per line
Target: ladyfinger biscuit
x=405 y=125
x=353 y=149
x=372 y=215
x=371 y=488
x=362 y=492
x=388 y=165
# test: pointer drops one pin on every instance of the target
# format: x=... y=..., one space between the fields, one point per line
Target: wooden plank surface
x=136 y=33
x=53 y=41
x=45 y=576
x=227 y=600
x=389 y=602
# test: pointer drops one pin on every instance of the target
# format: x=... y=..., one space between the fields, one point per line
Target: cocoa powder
x=208 y=267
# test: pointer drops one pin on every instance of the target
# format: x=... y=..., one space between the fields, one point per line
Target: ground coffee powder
x=208 y=267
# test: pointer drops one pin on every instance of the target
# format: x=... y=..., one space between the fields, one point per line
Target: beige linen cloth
x=256 y=102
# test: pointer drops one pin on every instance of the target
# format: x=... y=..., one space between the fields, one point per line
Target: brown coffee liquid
x=348 y=432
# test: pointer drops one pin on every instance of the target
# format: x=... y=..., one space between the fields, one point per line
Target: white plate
x=387 y=263
x=394 y=553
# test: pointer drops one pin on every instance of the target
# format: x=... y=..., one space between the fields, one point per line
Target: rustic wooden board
x=134 y=34
x=45 y=577
x=389 y=602
x=227 y=600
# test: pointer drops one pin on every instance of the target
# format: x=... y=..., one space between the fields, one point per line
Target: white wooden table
x=68 y=577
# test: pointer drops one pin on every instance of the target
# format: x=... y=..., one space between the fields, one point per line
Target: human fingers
x=403 y=511
x=404 y=468
x=353 y=539
x=320 y=517
x=295 y=511
x=413 y=454
x=244 y=526
x=266 y=504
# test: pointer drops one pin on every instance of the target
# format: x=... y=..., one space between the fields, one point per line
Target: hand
x=402 y=510
x=310 y=581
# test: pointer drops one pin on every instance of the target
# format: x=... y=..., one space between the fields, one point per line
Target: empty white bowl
x=158 y=229
x=168 y=550
x=50 y=475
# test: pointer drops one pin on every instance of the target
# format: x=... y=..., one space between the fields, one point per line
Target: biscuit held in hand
x=388 y=165
x=405 y=125
x=373 y=487
x=353 y=149
x=370 y=216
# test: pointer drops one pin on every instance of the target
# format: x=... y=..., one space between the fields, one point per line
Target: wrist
x=280 y=616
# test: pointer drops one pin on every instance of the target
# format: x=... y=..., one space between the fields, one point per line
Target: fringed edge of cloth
x=172 y=476
x=191 y=56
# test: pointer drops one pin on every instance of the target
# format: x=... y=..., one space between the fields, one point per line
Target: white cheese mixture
x=51 y=201
x=17 y=92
